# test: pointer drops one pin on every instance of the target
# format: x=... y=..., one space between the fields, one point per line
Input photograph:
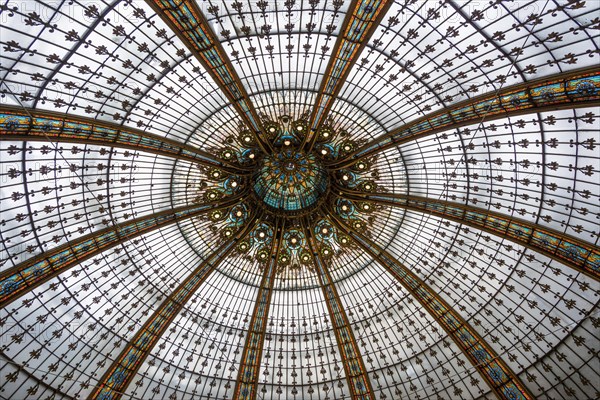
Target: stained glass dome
x=299 y=200
x=290 y=181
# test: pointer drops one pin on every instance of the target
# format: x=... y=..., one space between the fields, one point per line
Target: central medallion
x=290 y=181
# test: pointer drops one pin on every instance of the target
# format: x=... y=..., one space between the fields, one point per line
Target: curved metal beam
x=247 y=381
x=29 y=274
x=573 y=89
x=361 y=22
x=488 y=39
x=185 y=18
x=19 y=368
x=18 y=124
x=119 y=375
x=356 y=373
x=579 y=255
x=501 y=379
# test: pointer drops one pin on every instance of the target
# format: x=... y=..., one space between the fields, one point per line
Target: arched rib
x=577 y=254
x=501 y=379
x=568 y=90
x=488 y=39
x=247 y=381
x=119 y=375
x=17 y=124
x=356 y=373
x=361 y=22
x=26 y=276
x=185 y=18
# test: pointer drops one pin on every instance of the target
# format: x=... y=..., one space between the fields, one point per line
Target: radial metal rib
x=26 y=276
x=119 y=375
x=356 y=373
x=185 y=18
x=567 y=90
x=247 y=381
x=501 y=379
x=20 y=124
x=361 y=22
x=577 y=254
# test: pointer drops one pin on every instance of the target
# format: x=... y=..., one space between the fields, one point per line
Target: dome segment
x=467 y=122
x=290 y=181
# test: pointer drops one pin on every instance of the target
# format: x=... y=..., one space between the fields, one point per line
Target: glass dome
x=299 y=199
x=290 y=181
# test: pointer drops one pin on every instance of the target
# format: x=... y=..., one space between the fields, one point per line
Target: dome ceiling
x=299 y=199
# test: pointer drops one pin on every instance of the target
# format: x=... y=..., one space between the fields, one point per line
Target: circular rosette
x=239 y=214
x=324 y=231
x=227 y=154
x=272 y=129
x=368 y=186
x=305 y=258
x=347 y=147
x=262 y=234
x=362 y=166
x=326 y=252
x=212 y=195
x=294 y=239
x=347 y=178
x=326 y=134
x=226 y=233
x=284 y=258
x=217 y=215
x=359 y=225
x=244 y=246
x=300 y=127
x=246 y=139
x=290 y=182
x=345 y=241
x=216 y=174
x=365 y=207
x=231 y=184
x=262 y=255
x=345 y=208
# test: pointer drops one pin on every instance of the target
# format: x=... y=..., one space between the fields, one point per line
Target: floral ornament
x=294 y=254
x=287 y=182
x=282 y=131
x=332 y=145
x=241 y=148
x=212 y=184
x=361 y=176
x=258 y=243
x=586 y=88
x=286 y=131
x=330 y=240
x=224 y=223
x=290 y=180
